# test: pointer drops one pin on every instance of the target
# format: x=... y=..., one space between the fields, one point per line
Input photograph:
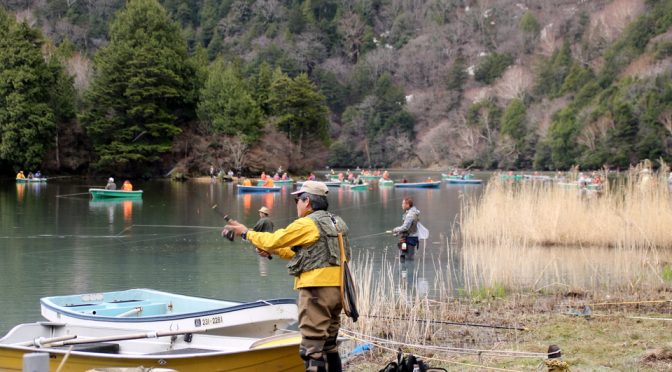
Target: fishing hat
x=110 y=179
x=313 y=187
x=265 y=211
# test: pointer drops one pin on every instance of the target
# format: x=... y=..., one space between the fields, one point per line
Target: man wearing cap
x=110 y=184
x=311 y=245
x=264 y=224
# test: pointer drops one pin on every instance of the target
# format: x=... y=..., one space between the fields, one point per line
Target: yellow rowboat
x=94 y=347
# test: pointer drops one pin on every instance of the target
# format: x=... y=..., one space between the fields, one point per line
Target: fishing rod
x=447 y=322
x=229 y=234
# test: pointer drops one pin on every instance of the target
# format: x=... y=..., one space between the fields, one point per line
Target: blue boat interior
x=135 y=303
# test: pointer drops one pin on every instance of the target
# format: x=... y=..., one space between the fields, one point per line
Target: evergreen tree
x=299 y=109
x=27 y=121
x=227 y=107
x=142 y=89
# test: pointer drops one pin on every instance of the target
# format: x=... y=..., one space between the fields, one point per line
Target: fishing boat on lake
x=355 y=187
x=115 y=194
x=384 y=182
x=180 y=350
x=327 y=183
x=456 y=176
x=423 y=185
x=31 y=180
x=163 y=311
x=276 y=182
x=472 y=181
x=242 y=188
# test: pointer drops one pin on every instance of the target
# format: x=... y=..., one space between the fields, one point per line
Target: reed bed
x=632 y=211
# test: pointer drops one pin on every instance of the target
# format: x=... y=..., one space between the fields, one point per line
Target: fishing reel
x=226 y=233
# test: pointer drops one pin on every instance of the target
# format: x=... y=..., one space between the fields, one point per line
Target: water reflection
x=110 y=208
x=20 y=192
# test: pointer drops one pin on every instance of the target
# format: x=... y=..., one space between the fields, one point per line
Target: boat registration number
x=207 y=321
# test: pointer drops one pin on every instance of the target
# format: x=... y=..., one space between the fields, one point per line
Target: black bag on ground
x=407 y=363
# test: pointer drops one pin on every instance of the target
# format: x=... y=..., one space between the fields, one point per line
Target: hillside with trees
x=143 y=87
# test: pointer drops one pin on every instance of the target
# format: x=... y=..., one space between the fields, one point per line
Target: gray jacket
x=410 y=225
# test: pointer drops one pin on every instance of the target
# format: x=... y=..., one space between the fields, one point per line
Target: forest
x=146 y=87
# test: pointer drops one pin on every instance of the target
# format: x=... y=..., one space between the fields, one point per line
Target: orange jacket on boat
x=127 y=186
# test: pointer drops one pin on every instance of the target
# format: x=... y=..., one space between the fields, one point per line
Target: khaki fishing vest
x=325 y=251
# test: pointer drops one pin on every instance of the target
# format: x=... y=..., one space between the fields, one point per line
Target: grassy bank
x=533 y=255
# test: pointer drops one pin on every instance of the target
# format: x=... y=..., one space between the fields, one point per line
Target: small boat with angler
x=355 y=187
x=369 y=177
x=384 y=182
x=424 y=185
x=456 y=176
x=258 y=188
x=115 y=194
x=89 y=348
x=472 y=181
x=328 y=183
x=31 y=180
x=163 y=311
x=276 y=182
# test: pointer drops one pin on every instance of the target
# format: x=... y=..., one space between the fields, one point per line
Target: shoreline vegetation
x=587 y=271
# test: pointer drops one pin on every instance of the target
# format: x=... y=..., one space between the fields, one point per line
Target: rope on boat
x=501 y=353
x=380 y=345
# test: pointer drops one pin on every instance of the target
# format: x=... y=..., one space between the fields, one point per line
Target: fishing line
x=447 y=322
x=68 y=195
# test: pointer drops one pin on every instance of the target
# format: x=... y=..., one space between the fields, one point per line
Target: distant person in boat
x=386 y=175
x=404 y=180
x=408 y=231
x=276 y=177
x=269 y=182
x=110 y=184
x=311 y=177
x=30 y=175
x=127 y=186
x=264 y=224
x=247 y=182
x=311 y=245
x=20 y=175
x=285 y=176
x=263 y=176
x=38 y=174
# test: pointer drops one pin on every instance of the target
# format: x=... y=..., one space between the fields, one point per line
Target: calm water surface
x=54 y=240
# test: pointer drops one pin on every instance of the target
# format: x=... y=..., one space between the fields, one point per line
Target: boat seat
x=189 y=350
x=153 y=308
x=95 y=347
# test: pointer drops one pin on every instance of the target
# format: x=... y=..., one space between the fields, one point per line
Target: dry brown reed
x=633 y=211
x=543 y=236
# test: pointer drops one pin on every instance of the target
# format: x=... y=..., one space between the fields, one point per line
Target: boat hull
x=258 y=189
x=200 y=353
x=422 y=185
x=362 y=187
x=465 y=182
x=383 y=182
x=163 y=311
x=31 y=180
x=115 y=194
x=277 y=182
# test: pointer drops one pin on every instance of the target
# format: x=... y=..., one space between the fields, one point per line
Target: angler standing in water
x=408 y=231
x=311 y=243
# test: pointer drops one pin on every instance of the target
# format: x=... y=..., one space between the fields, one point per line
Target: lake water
x=54 y=240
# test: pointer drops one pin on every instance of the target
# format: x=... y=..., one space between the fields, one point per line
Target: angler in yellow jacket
x=311 y=245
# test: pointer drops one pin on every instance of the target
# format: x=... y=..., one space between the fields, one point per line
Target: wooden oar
x=43 y=340
x=132 y=336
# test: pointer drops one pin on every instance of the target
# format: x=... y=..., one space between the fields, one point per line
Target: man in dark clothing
x=264 y=224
